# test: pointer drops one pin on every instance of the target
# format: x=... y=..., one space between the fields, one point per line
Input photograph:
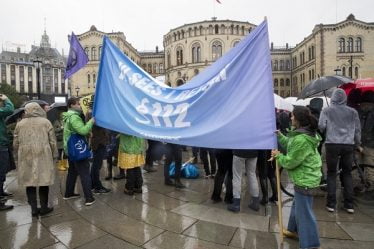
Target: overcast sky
x=144 y=22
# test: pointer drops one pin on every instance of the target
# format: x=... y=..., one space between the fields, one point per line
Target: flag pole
x=280 y=216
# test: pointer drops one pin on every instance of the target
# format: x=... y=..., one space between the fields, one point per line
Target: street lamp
x=77 y=90
x=38 y=64
x=337 y=70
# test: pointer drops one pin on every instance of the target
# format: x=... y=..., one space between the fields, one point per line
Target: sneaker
x=330 y=209
x=73 y=196
x=101 y=191
x=89 y=202
x=4 y=207
x=349 y=209
x=45 y=211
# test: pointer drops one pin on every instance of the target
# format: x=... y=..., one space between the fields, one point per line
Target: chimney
x=156 y=49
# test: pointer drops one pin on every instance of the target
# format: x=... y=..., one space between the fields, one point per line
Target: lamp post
x=337 y=70
x=37 y=63
x=77 y=90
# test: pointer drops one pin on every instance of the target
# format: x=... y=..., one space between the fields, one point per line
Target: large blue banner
x=228 y=105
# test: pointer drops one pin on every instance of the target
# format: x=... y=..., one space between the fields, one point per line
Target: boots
x=264 y=191
x=43 y=196
x=235 y=206
x=255 y=204
x=31 y=199
x=273 y=184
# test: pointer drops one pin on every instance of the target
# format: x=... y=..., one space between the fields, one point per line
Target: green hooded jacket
x=74 y=124
x=5 y=111
x=302 y=161
x=131 y=144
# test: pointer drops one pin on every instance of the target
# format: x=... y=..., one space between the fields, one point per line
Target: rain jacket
x=341 y=123
x=35 y=146
x=131 y=145
x=73 y=123
x=5 y=111
x=302 y=161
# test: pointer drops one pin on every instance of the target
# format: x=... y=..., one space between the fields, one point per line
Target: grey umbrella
x=322 y=85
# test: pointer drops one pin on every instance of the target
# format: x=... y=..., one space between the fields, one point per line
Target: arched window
x=341 y=45
x=237 y=30
x=216 y=50
x=87 y=51
x=189 y=32
x=182 y=34
x=281 y=66
x=201 y=30
x=281 y=82
x=94 y=79
x=88 y=80
x=161 y=66
x=312 y=74
x=276 y=82
x=179 y=35
x=180 y=82
x=358 y=44
x=100 y=50
x=288 y=65
x=287 y=82
x=93 y=53
x=223 y=29
x=216 y=29
x=242 y=30
x=235 y=43
x=231 y=29
x=343 y=71
x=195 y=31
x=275 y=65
x=350 y=45
x=179 y=56
x=196 y=52
x=313 y=52
x=356 y=72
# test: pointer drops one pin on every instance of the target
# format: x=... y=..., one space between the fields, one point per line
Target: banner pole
x=280 y=216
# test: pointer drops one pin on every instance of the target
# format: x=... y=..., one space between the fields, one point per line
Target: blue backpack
x=78 y=148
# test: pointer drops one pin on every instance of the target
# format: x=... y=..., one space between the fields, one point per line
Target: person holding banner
x=303 y=164
x=173 y=153
x=131 y=158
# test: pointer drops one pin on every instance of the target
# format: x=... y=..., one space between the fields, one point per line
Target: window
x=287 y=82
x=168 y=60
x=235 y=43
x=223 y=29
x=149 y=68
x=179 y=82
x=55 y=79
x=21 y=79
x=216 y=29
x=179 y=56
x=276 y=83
x=3 y=73
x=155 y=68
x=62 y=81
x=100 y=50
x=281 y=66
x=195 y=31
x=356 y=72
x=350 y=72
x=88 y=80
x=350 y=45
x=358 y=44
x=13 y=75
x=196 y=53
x=312 y=74
x=313 y=52
x=343 y=71
x=288 y=65
x=281 y=82
x=341 y=45
x=275 y=65
x=309 y=53
x=94 y=80
x=29 y=79
x=201 y=30
x=216 y=50
x=161 y=66
x=87 y=51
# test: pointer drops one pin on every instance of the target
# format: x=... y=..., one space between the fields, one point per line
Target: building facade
x=18 y=70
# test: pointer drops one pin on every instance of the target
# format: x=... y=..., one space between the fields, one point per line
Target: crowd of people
x=343 y=129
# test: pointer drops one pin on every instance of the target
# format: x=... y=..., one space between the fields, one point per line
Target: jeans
x=4 y=165
x=249 y=165
x=98 y=157
x=212 y=158
x=173 y=153
x=224 y=160
x=81 y=168
x=303 y=222
x=345 y=153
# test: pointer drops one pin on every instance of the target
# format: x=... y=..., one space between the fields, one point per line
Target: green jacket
x=5 y=111
x=130 y=144
x=302 y=161
x=74 y=124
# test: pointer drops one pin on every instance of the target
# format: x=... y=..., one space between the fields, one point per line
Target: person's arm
x=8 y=107
x=295 y=155
x=357 y=129
x=52 y=140
x=322 y=122
x=283 y=140
x=78 y=126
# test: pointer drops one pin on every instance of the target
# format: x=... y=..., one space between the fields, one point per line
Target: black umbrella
x=323 y=84
x=55 y=110
x=17 y=113
x=38 y=101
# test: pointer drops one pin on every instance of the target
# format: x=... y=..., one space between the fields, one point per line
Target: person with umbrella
x=343 y=131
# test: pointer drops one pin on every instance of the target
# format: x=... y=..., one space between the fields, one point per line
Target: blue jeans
x=303 y=222
x=98 y=157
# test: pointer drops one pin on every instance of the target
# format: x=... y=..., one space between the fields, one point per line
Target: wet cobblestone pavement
x=164 y=217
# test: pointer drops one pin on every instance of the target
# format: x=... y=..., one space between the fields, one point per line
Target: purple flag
x=77 y=57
